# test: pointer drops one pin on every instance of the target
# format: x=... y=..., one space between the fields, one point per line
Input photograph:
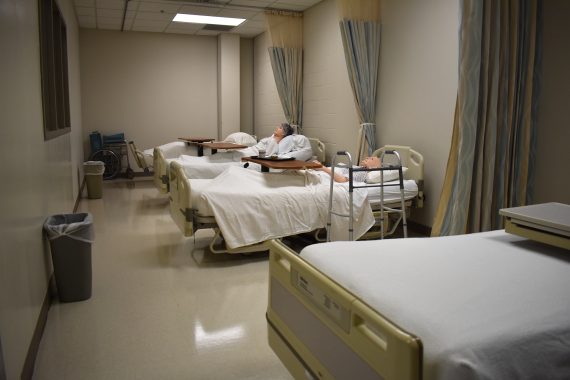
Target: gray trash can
x=94 y=178
x=70 y=237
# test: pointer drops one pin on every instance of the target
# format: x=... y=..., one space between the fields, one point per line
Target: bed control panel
x=319 y=297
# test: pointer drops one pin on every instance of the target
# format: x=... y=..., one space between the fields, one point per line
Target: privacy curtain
x=491 y=160
x=286 y=56
x=360 y=30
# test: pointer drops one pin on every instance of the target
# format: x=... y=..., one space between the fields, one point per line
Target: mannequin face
x=279 y=132
x=370 y=162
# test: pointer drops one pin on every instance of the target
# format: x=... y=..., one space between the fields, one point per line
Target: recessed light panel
x=198 y=19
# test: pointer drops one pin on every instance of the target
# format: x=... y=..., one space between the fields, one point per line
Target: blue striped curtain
x=491 y=160
x=361 y=42
x=287 y=65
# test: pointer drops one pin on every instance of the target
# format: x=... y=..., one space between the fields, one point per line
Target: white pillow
x=389 y=175
x=241 y=138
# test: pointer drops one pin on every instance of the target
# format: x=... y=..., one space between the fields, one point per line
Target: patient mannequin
x=341 y=175
x=280 y=142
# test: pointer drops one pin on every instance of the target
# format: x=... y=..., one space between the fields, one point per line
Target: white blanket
x=208 y=166
x=251 y=207
x=486 y=306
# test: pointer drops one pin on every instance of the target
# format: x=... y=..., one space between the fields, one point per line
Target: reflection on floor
x=163 y=307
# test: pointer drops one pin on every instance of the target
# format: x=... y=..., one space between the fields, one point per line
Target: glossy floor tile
x=163 y=306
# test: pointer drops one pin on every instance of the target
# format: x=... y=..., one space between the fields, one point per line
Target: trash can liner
x=94 y=167
x=75 y=226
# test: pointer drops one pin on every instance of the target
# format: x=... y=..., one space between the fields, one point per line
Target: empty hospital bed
x=482 y=306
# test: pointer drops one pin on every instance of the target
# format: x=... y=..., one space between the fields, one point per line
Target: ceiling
x=157 y=15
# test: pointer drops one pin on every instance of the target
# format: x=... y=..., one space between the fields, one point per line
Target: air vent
x=218 y=28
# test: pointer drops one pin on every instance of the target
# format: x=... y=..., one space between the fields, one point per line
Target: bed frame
x=161 y=167
x=189 y=220
x=319 y=329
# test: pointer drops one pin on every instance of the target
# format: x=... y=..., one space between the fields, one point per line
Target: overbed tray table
x=198 y=141
x=268 y=163
x=548 y=223
x=215 y=145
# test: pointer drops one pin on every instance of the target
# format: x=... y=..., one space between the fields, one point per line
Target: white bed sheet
x=392 y=193
x=251 y=207
x=486 y=306
x=208 y=166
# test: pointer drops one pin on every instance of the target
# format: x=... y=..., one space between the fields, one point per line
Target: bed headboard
x=318 y=148
x=414 y=161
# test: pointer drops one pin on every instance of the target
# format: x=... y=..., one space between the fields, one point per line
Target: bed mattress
x=392 y=193
x=486 y=306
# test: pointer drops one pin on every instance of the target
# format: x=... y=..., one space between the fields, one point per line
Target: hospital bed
x=248 y=207
x=482 y=306
x=211 y=166
x=164 y=154
x=201 y=167
x=256 y=217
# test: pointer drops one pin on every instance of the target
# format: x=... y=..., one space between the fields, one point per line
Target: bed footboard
x=179 y=199
x=160 y=175
x=315 y=324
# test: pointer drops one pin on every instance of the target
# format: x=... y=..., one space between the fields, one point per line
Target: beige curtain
x=286 y=56
x=491 y=160
x=360 y=28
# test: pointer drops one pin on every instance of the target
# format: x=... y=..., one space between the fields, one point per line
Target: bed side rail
x=388 y=351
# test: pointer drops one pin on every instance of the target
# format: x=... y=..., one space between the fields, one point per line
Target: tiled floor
x=163 y=307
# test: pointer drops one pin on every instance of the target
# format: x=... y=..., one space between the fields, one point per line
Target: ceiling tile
x=197 y=10
x=155 y=16
x=105 y=26
x=87 y=21
x=288 y=6
x=237 y=13
x=254 y=24
x=146 y=14
x=157 y=6
x=113 y=13
x=84 y=11
x=305 y=3
x=253 y=3
x=84 y=3
x=111 y=4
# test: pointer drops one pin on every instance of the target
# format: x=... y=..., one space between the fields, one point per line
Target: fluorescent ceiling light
x=197 y=19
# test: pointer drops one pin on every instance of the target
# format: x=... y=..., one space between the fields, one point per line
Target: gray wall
x=39 y=177
x=153 y=87
x=552 y=182
x=417 y=84
x=246 y=87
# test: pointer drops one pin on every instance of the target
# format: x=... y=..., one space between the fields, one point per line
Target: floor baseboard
x=28 y=369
